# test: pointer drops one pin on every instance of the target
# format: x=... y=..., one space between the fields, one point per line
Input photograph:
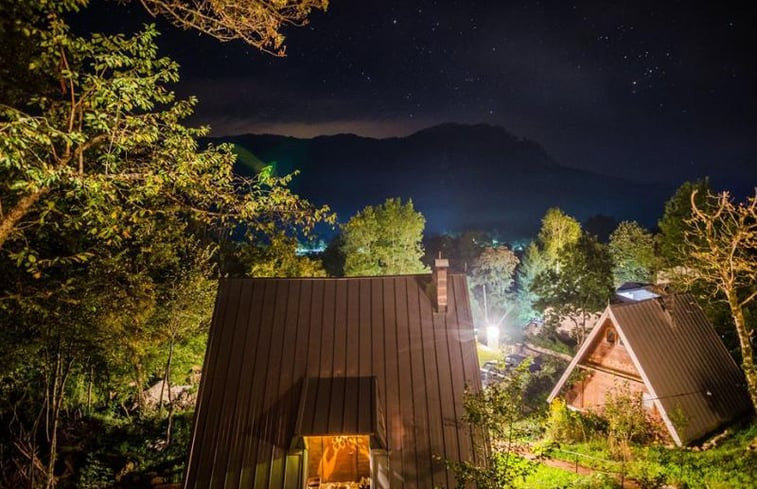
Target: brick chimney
x=440 y=283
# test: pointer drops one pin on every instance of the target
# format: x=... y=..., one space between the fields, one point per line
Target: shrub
x=627 y=421
x=567 y=426
x=562 y=423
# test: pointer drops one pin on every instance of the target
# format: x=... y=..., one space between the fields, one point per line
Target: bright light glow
x=492 y=336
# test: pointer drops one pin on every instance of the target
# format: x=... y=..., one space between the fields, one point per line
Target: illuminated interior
x=338 y=462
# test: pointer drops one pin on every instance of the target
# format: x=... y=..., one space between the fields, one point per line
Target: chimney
x=440 y=282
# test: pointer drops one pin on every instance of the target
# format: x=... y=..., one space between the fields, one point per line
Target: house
x=666 y=350
x=336 y=382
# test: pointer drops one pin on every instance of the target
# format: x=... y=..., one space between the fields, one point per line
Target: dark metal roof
x=685 y=362
x=269 y=335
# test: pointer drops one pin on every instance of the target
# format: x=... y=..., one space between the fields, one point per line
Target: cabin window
x=610 y=336
x=338 y=462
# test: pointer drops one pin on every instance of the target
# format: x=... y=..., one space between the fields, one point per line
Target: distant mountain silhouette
x=459 y=176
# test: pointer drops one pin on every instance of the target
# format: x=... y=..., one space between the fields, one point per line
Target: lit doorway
x=338 y=462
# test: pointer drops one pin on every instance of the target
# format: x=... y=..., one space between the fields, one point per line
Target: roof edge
x=578 y=356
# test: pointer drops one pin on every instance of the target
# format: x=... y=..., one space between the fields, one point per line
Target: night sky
x=648 y=91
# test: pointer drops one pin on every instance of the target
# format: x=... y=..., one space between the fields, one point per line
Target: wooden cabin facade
x=337 y=382
x=607 y=366
x=664 y=350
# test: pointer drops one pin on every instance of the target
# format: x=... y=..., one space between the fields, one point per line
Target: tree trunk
x=170 y=397
x=56 y=400
x=89 y=390
x=747 y=358
x=9 y=221
x=139 y=386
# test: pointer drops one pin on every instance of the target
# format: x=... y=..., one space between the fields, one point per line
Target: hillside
x=459 y=176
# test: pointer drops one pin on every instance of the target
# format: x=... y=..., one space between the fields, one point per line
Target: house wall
x=590 y=393
x=607 y=367
x=611 y=356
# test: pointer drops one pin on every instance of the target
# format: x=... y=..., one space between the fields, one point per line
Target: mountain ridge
x=459 y=176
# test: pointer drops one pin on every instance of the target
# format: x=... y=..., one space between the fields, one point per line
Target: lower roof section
x=341 y=405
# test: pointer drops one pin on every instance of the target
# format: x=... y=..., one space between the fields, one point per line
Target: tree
x=558 y=230
x=673 y=255
x=468 y=246
x=581 y=286
x=633 y=253
x=492 y=281
x=722 y=239
x=672 y=224
x=257 y=22
x=532 y=265
x=113 y=130
x=185 y=310
x=384 y=240
x=107 y=209
x=279 y=259
x=627 y=420
x=494 y=415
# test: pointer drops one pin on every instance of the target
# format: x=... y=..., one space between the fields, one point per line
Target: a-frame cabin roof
x=680 y=358
x=274 y=347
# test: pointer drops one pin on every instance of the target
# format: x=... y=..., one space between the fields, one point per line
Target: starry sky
x=648 y=91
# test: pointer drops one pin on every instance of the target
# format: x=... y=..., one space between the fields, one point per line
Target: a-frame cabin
x=332 y=383
x=666 y=350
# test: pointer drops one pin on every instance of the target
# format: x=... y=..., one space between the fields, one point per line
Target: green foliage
x=491 y=283
x=541 y=382
x=546 y=477
x=279 y=259
x=111 y=217
x=461 y=249
x=728 y=465
x=384 y=240
x=533 y=264
x=495 y=413
x=558 y=230
x=633 y=254
x=676 y=242
x=672 y=224
x=721 y=237
x=579 y=287
x=107 y=135
x=563 y=425
x=627 y=420
x=129 y=453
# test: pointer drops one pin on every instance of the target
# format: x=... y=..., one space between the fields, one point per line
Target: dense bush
x=115 y=452
x=567 y=426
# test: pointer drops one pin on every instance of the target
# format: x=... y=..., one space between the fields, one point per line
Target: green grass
x=546 y=477
x=486 y=354
x=551 y=344
x=729 y=465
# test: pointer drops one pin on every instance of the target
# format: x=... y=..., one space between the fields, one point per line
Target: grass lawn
x=546 y=477
x=730 y=465
x=486 y=354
